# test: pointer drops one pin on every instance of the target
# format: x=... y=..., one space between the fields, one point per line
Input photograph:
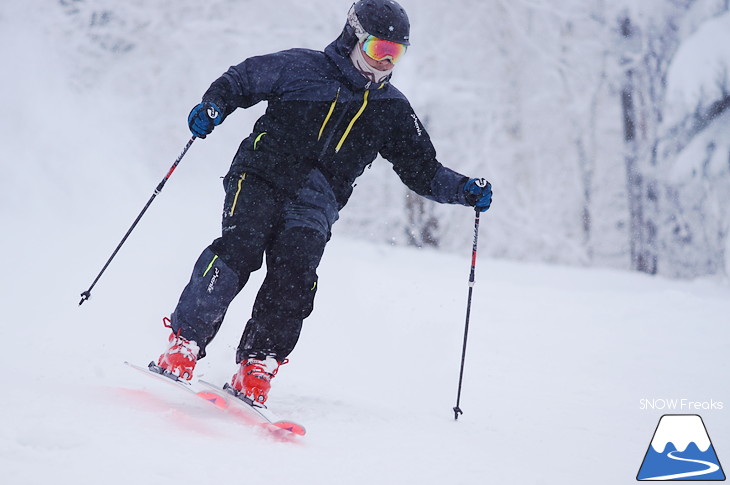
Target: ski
x=251 y=408
x=157 y=372
x=227 y=399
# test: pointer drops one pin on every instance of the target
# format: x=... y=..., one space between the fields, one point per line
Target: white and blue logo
x=681 y=450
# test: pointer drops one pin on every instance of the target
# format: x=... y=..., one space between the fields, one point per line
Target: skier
x=329 y=115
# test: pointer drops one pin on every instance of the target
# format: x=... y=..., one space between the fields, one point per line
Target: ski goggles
x=381 y=49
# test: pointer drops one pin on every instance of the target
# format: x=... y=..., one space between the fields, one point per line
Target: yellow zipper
x=235 y=198
x=352 y=122
x=257 y=140
x=329 y=114
x=210 y=265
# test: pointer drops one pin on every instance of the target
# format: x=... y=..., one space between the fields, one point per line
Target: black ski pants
x=258 y=219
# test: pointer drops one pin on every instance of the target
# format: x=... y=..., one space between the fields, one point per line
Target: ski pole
x=87 y=294
x=457 y=409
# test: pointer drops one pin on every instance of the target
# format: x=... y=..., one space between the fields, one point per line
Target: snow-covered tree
x=695 y=147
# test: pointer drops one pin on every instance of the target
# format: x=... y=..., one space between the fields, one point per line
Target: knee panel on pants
x=205 y=299
x=291 y=279
x=286 y=297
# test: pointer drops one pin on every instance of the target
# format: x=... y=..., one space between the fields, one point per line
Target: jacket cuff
x=217 y=94
x=447 y=187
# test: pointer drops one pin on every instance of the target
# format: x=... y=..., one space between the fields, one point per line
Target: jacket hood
x=339 y=53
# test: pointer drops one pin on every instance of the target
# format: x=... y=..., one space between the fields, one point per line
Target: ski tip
x=295 y=428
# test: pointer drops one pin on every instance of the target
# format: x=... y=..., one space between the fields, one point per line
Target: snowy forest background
x=602 y=125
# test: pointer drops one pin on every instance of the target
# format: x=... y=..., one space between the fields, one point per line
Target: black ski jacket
x=322 y=113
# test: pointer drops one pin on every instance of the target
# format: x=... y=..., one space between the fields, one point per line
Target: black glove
x=478 y=194
x=203 y=118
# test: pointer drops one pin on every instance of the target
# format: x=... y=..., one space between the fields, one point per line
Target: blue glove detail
x=203 y=118
x=478 y=194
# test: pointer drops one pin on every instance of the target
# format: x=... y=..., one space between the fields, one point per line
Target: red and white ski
x=227 y=399
x=237 y=400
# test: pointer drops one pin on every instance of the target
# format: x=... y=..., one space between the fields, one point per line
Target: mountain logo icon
x=681 y=450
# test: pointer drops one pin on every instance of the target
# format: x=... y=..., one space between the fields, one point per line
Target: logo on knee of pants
x=213 y=279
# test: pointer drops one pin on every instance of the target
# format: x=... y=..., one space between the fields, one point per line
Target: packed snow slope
x=558 y=362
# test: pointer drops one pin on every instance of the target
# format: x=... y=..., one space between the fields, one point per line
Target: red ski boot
x=180 y=357
x=253 y=378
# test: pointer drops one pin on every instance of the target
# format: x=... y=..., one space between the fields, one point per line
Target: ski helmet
x=384 y=19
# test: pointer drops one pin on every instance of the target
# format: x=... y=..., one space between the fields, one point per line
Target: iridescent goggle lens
x=380 y=49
